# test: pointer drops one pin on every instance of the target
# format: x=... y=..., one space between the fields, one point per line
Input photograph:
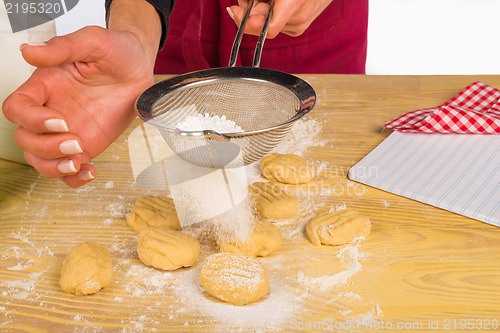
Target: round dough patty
x=234 y=278
x=273 y=201
x=287 y=169
x=86 y=269
x=153 y=211
x=338 y=228
x=167 y=249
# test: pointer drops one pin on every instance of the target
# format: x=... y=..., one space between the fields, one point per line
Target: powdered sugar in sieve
x=199 y=122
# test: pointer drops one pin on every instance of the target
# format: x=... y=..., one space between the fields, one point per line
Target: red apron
x=201 y=36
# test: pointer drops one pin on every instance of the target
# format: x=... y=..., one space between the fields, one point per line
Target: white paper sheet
x=456 y=172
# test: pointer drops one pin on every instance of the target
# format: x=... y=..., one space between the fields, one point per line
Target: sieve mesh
x=263 y=102
x=253 y=105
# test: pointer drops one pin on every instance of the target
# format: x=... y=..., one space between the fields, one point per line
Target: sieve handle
x=262 y=37
x=206 y=134
x=239 y=35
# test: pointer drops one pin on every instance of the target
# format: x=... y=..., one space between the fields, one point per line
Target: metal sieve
x=264 y=102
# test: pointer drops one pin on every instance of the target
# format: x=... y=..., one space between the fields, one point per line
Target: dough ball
x=287 y=169
x=338 y=228
x=272 y=201
x=86 y=269
x=167 y=249
x=264 y=239
x=234 y=278
x=153 y=211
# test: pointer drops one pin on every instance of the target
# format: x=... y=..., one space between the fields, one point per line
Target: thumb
x=84 y=45
x=282 y=12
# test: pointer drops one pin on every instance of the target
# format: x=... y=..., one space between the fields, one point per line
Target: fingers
x=86 y=174
x=282 y=20
x=48 y=146
x=44 y=136
x=74 y=171
x=29 y=112
x=56 y=155
x=84 y=45
x=256 y=19
x=57 y=168
x=291 y=17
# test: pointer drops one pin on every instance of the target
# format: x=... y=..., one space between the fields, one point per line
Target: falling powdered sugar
x=219 y=193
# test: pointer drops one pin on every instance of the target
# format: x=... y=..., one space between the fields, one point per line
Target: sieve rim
x=300 y=88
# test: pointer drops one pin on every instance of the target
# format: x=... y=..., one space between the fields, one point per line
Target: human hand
x=79 y=99
x=291 y=17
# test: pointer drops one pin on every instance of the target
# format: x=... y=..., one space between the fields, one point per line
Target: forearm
x=140 y=18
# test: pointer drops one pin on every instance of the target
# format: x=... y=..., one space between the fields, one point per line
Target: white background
x=404 y=36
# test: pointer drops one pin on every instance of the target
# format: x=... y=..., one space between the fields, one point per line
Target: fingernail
x=56 y=125
x=66 y=166
x=32 y=44
x=70 y=147
x=86 y=175
x=230 y=13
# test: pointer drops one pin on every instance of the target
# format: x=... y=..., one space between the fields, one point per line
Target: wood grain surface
x=422 y=269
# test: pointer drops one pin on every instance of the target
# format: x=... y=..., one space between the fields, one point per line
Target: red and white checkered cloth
x=475 y=110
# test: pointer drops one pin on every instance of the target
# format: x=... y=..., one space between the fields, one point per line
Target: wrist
x=139 y=18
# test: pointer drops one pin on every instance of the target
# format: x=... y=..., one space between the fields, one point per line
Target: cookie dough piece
x=272 y=201
x=287 y=169
x=86 y=269
x=153 y=211
x=167 y=249
x=338 y=228
x=234 y=278
x=264 y=239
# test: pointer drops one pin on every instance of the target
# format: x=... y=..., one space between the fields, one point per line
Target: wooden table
x=420 y=269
